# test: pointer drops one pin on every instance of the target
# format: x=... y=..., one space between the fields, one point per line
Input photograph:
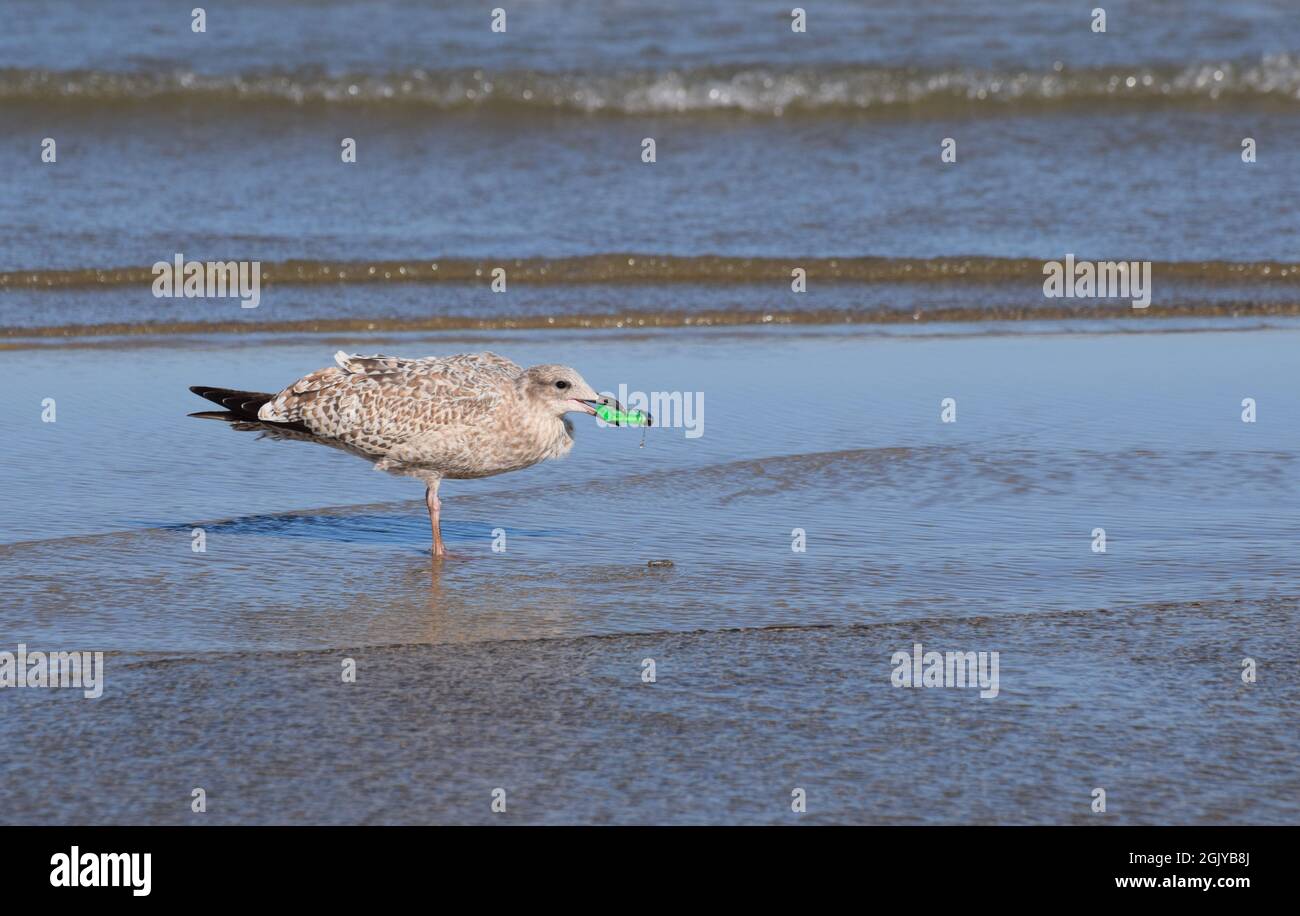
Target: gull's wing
x=375 y=403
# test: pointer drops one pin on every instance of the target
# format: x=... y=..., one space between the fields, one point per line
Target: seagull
x=458 y=417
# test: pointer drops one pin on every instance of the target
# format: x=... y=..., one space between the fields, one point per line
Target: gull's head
x=558 y=390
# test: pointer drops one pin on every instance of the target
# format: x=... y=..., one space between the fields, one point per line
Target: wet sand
x=1143 y=702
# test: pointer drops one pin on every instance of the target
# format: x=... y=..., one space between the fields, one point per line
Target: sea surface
x=817 y=418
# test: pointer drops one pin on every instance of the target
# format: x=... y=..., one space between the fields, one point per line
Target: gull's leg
x=431 y=500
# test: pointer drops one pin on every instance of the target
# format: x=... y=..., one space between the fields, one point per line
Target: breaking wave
x=752 y=90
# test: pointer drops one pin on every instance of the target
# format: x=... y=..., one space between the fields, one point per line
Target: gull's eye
x=561 y=384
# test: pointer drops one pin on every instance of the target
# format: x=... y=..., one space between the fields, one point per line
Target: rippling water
x=769 y=144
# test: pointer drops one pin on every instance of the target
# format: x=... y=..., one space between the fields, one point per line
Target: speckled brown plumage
x=463 y=416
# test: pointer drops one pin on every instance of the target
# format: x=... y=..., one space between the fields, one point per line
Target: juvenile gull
x=463 y=416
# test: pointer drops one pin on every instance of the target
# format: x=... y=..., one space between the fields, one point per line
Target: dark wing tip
x=213 y=415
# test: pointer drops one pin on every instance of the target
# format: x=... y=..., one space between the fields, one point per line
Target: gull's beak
x=592 y=405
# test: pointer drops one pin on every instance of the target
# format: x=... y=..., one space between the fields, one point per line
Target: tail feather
x=243 y=404
x=241 y=407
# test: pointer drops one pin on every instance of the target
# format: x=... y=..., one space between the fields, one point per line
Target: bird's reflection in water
x=446 y=602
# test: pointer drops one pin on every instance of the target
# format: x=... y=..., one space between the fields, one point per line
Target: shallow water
x=837 y=433
x=972 y=536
